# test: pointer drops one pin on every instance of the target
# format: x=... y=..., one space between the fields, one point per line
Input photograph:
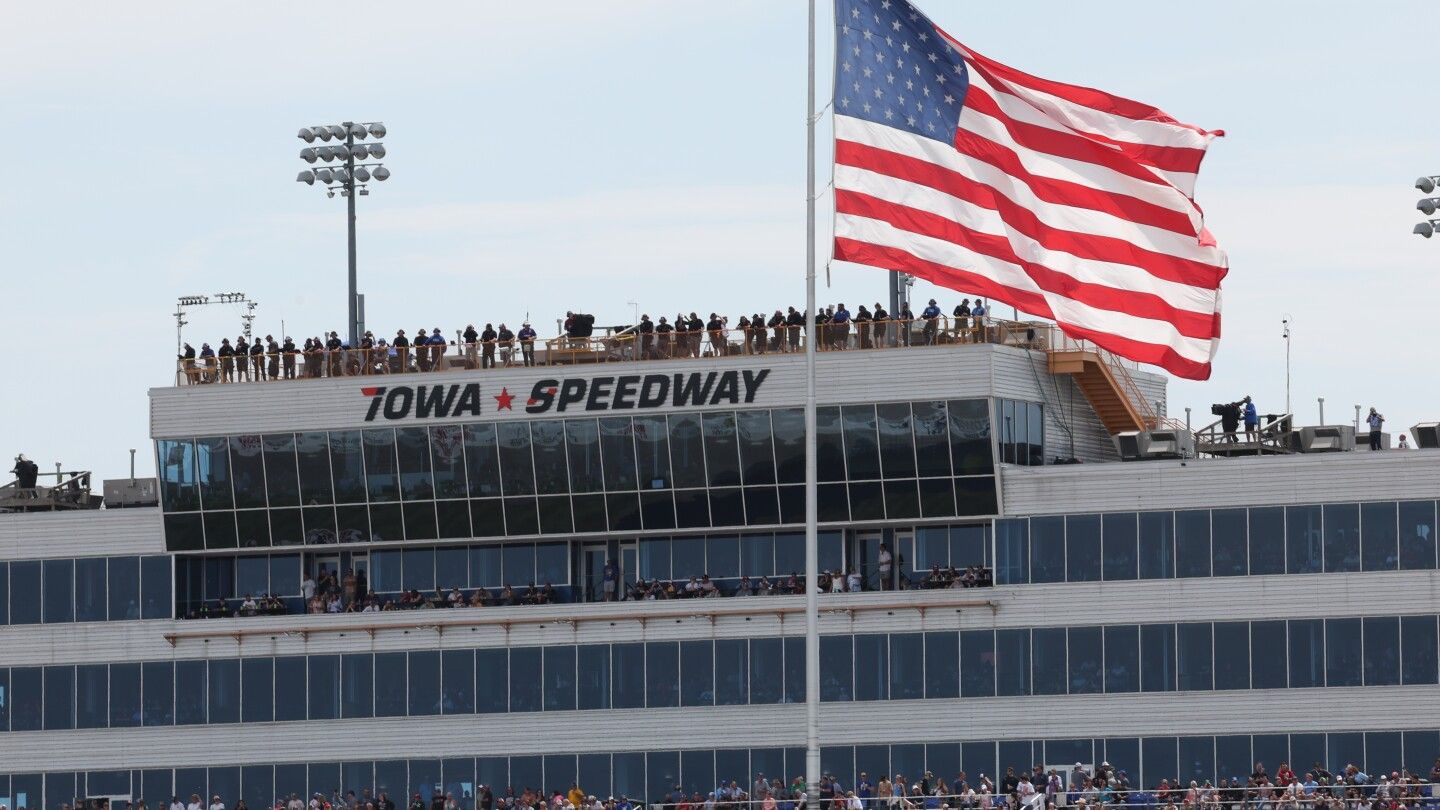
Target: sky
x=568 y=154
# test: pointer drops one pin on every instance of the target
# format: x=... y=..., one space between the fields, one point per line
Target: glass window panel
x=1303 y=541
x=1047 y=549
x=1307 y=653
x=788 y=426
x=907 y=665
x=357 y=685
x=652 y=451
x=1267 y=540
x=252 y=576
x=1195 y=663
x=158 y=694
x=662 y=772
x=582 y=443
x=155 y=580
x=625 y=514
x=1267 y=655
x=1047 y=650
x=59 y=591
x=969 y=545
x=381 y=479
x=419 y=570
x=26 y=698
x=517 y=468
x=212 y=462
x=832 y=551
x=424 y=682
x=872 y=679
x=190 y=698
x=769 y=671
x=526 y=688
x=1232 y=655
x=1382 y=750
x=347 y=466
x=794 y=652
x=1342 y=537
x=1343 y=654
x=548 y=443
x=589 y=511
x=1193 y=544
x=592 y=677
x=1422 y=748
x=552 y=563
x=313 y=459
x=722 y=454
x=1197 y=759
x=1228 y=542
x=627 y=674
x=559 y=678
x=727 y=507
x=837 y=663
x=969 y=421
x=1119 y=546
x=1012 y=662
x=90 y=589
x=757 y=456
x=1009 y=429
x=1379 y=549
x=59 y=698
x=1232 y=757
x=628 y=774
x=257 y=688
x=1082 y=548
x=867 y=501
x=1158 y=759
x=290 y=691
x=258 y=785
x=220 y=530
x=731 y=671
x=829 y=446
x=92 y=698
x=1012 y=551
x=286 y=528
x=687 y=450
x=453 y=519
x=931 y=436
x=352 y=524
x=178 y=479
x=1087 y=660
x=492 y=681
x=1344 y=747
x=833 y=504
x=482 y=462
x=655 y=558
x=391 y=693
x=977 y=663
x=902 y=499
x=897 y=449
x=184 y=533
x=5 y=596
x=555 y=517
x=1417 y=534
x=25 y=586
x=1035 y=417
x=617 y=450
x=937 y=497
x=1157 y=658
x=412 y=450
x=1382 y=651
x=722 y=557
x=1418 y=649
x=282 y=483
x=697 y=673
x=1157 y=545
x=688 y=557
x=942 y=665
x=324 y=687
x=521 y=517
x=447 y=461
x=487 y=517
x=862 y=448
x=697 y=769
x=662 y=674
x=757 y=554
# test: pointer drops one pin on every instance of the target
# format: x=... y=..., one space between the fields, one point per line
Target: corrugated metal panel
x=1351 y=709
x=1059 y=605
x=91 y=533
x=1202 y=483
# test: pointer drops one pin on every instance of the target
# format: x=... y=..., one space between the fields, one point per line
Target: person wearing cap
x=931 y=315
x=437 y=345
x=227 y=361
x=402 y=350
x=471 y=337
x=527 y=343
x=646 y=328
x=487 y=347
x=332 y=354
x=272 y=358
x=257 y=359
x=505 y=342
x=242 y=358
x=421 y=345
x=287 y=357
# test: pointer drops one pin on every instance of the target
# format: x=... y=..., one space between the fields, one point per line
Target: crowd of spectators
x=1348 y=788
x=330 y=355
x=350 y=592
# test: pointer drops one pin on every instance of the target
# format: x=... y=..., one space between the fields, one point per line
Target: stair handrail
x=1115 y=366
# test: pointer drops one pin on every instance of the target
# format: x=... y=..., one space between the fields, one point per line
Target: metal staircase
x=1107 y=386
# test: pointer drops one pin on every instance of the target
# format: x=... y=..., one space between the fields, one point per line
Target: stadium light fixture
x=1427 y=229
x=348 y=179
x=1427 y=183
x=1428 y=205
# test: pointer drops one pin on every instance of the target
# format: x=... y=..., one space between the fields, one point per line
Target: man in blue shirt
x=1252 y=420
x=527 y=343
x=978 y=312
x=931 y=314
x=840 y=327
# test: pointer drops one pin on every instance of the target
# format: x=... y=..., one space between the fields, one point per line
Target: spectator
x=1376 y=422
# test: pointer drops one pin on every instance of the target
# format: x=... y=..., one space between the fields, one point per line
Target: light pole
x=1427 y=205
x=349 y=178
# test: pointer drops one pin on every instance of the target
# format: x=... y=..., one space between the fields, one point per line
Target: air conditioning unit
x=1138 y=445
x=1323 y=439
x=1426 y=435
x=129 y=492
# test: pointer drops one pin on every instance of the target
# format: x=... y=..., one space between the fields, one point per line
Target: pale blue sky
x=554 y=155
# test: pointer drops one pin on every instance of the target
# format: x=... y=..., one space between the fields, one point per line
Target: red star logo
x=503 y=399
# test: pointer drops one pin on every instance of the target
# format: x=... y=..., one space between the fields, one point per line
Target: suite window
x=722 y=454
x=381 y=477
x=213 y=468
x=412 y=450
x=547 y=441
x=1119 y=546
x=1342 y=537
x=1417 y=534
x=281 y=481
x=687 y=451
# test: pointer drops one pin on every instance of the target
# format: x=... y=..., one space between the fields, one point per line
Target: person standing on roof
x=1252 y=420
x=1375 y=421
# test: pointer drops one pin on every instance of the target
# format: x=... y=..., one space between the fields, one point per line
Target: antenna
x=1285 y=325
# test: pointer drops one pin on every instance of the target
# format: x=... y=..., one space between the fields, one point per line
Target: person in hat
x=931 y=314
x=487 y=346
x=227 y=361
x=527 y=343
x=287 y=357
x=402 y=350
x=332 y=354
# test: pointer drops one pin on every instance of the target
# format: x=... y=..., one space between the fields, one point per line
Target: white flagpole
x=812 y=564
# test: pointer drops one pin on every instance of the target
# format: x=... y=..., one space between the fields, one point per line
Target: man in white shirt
x=887 y=565
x=307 y=587
x=175 y=803
x=194 y=802
x=215 y=803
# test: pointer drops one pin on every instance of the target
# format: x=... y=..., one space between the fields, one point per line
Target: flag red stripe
x=1085 y=245
x=887 y=258
x=1141 y=304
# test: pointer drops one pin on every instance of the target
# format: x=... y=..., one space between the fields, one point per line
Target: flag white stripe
x=1066 y=310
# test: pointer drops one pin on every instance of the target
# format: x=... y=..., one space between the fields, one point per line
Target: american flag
x=1063 y=201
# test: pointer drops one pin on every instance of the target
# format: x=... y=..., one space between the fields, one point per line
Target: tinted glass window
x=347 y=466
x=788 y=426
x=176 y=461
x=977 y=663
x=582 y=443
x=969 y=421
x=391 y=691
x=482 y=462
x=447 y=461
x=526 y=687
x=90 y=590
x=59 y=698
x=313 y=458
x=687 y=451
x=155 y=579
x=1157 y=657
x=1267 y=540
x=627 y=675
x=1303 y=541
x=281 y=481
x=697 y=673
x=1082 y=548
x=213 y=469
x=1232 y=655
x=1047 y=549
x=862 y=449
x=1267 y=655
x=662 y=674
x=1012 y=662
x=1047 y=650
x=324 y=674
x=1379 y=549
x=257 y=685
x=247 y=468
x=158 y=680
x=517 y=469
x=1012 y=551
x=1307 y=653
x=1228 y=542
x=942 y=665
x=492 y=680
x=190 y=688
x=223 y=691
x=1417 y=534
x=357 y=685
x=837 y=668
x=559 y=678
x=412 y=450
x=290 y=688
x=59 y=591
x=757 y=456
x=1418 y=649
x=1382 y=651
x=829 y=448
x=617 y=451
x=1119 y=546
x=769 y=671
x=381 y=477
x=424 y=682
x=1342 y=537
x=652 y=451
x=1194 y=660
x=548 y=444
x=1343 y=653
x=92 y=686
x=732 y=667
x=721 y=450
x=1157 y=545
x=871 y=667
x=1192 y=543
x=931 y=436
x=897 y=450
x=592 y=676
x=1087 y=660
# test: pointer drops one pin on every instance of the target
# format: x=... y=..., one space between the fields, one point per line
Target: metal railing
x=616 y=346
x=1272 y=432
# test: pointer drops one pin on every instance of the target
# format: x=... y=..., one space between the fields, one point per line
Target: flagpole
x=812 y=564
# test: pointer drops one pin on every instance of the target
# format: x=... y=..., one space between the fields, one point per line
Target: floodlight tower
x=348 y=178
x=1427 y=205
